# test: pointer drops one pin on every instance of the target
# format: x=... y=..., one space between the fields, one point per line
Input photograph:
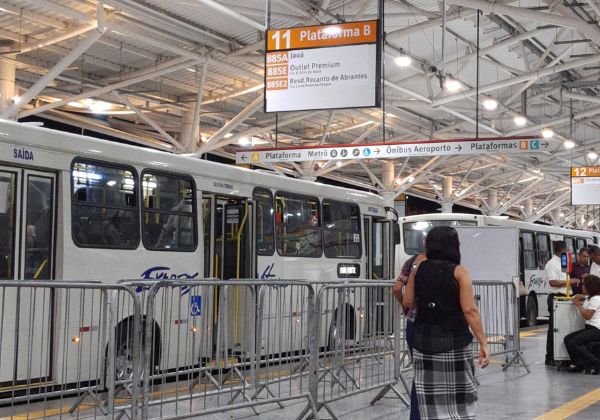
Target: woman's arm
x=587 y=314
x=409 y=294
x=470 y=311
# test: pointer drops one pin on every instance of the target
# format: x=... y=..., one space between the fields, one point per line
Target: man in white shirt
x=557 y=282
x=595 y=257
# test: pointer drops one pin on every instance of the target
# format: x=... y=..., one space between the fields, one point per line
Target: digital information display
x=585 y=185
x=322 y=67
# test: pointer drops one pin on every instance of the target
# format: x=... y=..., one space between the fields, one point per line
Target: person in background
x=580 y=269
x=442 y=291
x=577 y=341
x=595 y=257
x=557 y=282
x=410 y=314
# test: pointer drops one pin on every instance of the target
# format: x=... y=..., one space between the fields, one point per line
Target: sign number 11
x=277 y=37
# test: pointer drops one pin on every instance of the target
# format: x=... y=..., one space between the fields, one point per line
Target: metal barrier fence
x=67 y=346
x=180 y=349
x=499 y=308
x=360 y=343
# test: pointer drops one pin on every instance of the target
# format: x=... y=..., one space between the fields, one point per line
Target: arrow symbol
x=458 y=147
x=244 y=157
x=545 y=143
x=377 y=151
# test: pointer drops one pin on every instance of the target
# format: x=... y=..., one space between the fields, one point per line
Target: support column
x=7 y=79
x=187 y=127
x=528 y=208
x=387 y=174
x=492 y=202
x=447 y=192
x=308 y=170
x=557 y=215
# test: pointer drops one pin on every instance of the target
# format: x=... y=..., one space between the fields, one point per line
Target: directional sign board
x=322 y=67
x=585 y=185
x=396 y=150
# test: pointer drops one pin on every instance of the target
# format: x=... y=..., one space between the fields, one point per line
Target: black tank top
x=438 y=297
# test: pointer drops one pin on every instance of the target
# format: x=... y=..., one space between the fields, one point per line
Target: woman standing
x=442 y=291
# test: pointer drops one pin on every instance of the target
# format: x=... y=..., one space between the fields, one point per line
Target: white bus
x=535 y=249
x=78 y=208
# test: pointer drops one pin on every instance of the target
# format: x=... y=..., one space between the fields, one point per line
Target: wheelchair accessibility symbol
x=195 y=305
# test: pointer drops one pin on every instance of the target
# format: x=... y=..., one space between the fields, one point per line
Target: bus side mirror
x=396 y=228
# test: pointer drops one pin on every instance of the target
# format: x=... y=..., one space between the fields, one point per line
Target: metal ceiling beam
x=247 y=112
x=518 y=79
x=229 y=12
x=146 y=119
x=34 y=90
x=105 y=89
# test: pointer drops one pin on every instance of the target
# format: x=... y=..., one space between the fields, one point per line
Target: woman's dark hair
x=592 y=285
x=442 y=244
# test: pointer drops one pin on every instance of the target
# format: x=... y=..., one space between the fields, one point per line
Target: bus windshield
x=415 y=232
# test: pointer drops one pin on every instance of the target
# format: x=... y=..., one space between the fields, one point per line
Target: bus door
x=229 y=249
x=27 y=244
x=379 y=257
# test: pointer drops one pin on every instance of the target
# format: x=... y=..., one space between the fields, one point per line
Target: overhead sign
x=322 y=67
x=585 y=185
x=396 y=150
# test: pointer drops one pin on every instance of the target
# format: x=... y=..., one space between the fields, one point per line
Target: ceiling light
x=452 y=85
x=228 y=135
x=403 y=60
x=590 y=223
x=99 y=106
x=592 y=155
x=244 y=141
x=547 y=133
x=490 y=104
x=190 y=69
x=561 y=214
x=569 y=144
x=76 y=104
x=332 y=30
x=16 y=99
x=520 y=121
x=411 y=179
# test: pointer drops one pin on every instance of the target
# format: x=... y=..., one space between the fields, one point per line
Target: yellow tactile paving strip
x=572 y=407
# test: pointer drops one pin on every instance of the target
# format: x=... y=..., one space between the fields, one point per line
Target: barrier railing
x=499 y=308
x=180 y=349
x=359 y=344
x=242 y=350
x=66 y=347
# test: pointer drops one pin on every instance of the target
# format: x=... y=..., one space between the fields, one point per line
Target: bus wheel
x=124 y=351
x=124 y=355
x=531 y=312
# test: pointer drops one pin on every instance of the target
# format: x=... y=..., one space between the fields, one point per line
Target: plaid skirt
x=445 y=384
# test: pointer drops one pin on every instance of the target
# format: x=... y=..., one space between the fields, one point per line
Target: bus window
x=264 y=222
x=104 y=206
x=581 y=243
x=415 y=232
x=544 y=250
x=297 y=226
x=570 y=244
x=528 y=250
x=7 y=224
x=38 y=234
x=169 y=219
x=341 y=230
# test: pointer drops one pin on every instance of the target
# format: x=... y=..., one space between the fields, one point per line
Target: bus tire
x=531 y=312
x=334 y=337
x=124 y=349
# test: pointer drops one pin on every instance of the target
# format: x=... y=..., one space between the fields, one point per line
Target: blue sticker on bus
x=196 y=305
